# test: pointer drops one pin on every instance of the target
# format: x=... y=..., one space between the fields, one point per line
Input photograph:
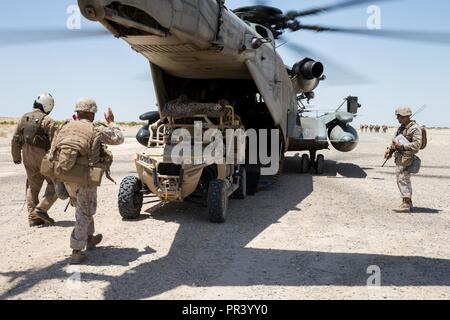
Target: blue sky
x=401 y=73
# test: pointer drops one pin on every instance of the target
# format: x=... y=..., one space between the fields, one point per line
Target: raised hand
x=109 y=116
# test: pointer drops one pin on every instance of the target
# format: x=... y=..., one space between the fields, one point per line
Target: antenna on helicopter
x=342 y=104
x=420 y=110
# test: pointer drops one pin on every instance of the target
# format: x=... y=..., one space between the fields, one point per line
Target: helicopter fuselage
x=201 y=49
x=200 y=40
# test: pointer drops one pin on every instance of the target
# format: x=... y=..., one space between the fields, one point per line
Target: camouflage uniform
x=85 y=198
x=404 y=157
x=32 y=157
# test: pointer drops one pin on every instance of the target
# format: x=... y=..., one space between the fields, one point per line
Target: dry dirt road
x=310 y=237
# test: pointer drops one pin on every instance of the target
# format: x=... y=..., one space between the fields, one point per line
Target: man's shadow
x=425 y=210
x=59 y=224
x=102 y=256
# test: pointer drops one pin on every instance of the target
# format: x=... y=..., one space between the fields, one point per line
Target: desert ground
x=308 y=237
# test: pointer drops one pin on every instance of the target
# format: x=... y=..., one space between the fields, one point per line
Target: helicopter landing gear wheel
x=305 y=164
x=320 y=164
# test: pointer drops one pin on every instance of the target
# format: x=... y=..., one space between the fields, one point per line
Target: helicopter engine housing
x=307 y=75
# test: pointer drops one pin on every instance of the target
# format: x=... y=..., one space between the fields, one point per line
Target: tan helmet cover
x=86 y=105
x=403 y=111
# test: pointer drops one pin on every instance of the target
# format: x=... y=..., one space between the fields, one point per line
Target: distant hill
x=8 y=121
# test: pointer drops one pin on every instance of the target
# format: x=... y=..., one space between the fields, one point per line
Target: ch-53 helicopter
x=205 y=52
x=200 y=46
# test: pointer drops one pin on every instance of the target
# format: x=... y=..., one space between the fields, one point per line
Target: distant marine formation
x=374 y=128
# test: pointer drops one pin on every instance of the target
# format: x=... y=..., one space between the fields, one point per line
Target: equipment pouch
x=79 y=174
x=95 y=177
x=407 y=158
x=18 y=139
x=415 y=166
x=66 y=160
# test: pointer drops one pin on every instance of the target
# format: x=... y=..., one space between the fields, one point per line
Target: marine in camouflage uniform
x=30 y=143
x=404 y=156
x=85 y=198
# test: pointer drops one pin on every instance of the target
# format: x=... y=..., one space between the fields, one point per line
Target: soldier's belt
x=80 y=174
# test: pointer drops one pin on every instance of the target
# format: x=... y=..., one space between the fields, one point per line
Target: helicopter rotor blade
x=333 y=7
x=442 y=38
x=336 y=74
x=11 y=37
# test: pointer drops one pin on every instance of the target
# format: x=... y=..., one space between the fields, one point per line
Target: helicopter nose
x=92 y=9
x=150 y=17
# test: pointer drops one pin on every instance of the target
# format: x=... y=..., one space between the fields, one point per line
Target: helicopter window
x=262 y=31
x=259 y=98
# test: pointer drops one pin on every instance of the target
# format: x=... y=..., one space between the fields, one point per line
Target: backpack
x=32 y=132
x=424 y=138
x=424 y=144
x=73 y=144
x=71 y=157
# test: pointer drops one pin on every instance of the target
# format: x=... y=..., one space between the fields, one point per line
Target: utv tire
x=130 y=198
x=241 y=193
x=217 y=201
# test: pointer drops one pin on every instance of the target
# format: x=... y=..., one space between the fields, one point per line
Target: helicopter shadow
x=332 y=169
x=218 y=255
x=345 y=170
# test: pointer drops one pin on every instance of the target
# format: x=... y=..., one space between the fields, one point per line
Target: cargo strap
x=221 y=4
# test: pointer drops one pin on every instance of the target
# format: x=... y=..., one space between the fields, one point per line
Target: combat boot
x=405 y=207
x=35 y=222
x=409 y=202
x=93 y=241
x=43 y=216
x=77 y=257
